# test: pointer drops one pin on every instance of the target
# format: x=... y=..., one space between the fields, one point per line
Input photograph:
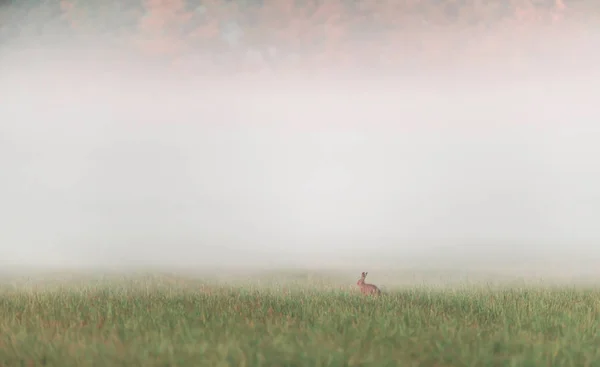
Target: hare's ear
x=366 y=273
x=363 y=274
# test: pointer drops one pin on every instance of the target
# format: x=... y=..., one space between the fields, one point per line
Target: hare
x=365 y=288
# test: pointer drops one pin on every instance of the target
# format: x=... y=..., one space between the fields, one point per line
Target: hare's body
x=367 y=289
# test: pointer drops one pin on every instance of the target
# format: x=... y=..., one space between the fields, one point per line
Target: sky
x=104 y=166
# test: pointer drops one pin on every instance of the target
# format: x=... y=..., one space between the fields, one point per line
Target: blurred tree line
x=253 y=34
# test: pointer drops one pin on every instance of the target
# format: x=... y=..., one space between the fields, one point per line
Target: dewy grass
x=172 y=322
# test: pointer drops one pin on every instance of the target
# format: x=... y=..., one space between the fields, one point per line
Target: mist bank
x=109 y=160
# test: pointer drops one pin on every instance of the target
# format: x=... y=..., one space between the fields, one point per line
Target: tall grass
x=174 y=322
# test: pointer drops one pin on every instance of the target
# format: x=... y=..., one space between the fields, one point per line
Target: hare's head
x=361 y=281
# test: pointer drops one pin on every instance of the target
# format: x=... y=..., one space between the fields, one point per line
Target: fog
x=106 y=159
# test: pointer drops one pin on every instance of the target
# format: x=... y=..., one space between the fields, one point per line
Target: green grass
x=175 y=322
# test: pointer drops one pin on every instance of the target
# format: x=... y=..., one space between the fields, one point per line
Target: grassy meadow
x=167 y=320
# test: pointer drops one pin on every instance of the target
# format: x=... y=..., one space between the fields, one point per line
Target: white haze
x=105 y=160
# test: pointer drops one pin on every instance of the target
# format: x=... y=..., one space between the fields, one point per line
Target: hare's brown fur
x=365 y=288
